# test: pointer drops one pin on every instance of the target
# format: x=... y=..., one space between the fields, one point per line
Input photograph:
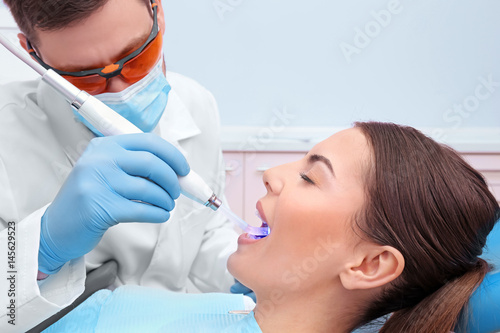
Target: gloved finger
x=239 y=288
x=136 y=188
x=146 y=165
x=156 y=145
x=139 y=212
x=252 y=296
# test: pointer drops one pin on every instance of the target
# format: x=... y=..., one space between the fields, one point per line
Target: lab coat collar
x=177 y=123
x=72 y=136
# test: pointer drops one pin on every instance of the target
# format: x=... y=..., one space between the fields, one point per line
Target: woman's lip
x=246 y=239
x=261 y=212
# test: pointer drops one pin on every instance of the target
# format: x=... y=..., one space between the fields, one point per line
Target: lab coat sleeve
x=32 y=301
x=209 y=270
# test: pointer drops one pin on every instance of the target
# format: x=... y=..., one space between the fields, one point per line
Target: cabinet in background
x=489 y=166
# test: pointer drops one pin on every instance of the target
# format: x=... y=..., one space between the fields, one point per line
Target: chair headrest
x=484 y=306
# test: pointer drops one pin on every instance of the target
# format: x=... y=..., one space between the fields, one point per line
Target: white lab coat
x=39 y=143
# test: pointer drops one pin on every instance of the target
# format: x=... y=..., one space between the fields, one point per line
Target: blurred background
x=429 y=64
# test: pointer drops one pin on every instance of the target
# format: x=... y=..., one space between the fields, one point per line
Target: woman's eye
x=307 y=179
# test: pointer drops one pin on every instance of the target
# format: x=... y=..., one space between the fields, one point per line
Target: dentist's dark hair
x=50 y=15
x=426 y=201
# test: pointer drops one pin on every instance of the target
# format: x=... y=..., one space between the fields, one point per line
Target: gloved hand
x=238 y=288
x=126 y=178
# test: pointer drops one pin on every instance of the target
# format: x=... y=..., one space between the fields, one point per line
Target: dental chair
x=97 y=279
x=484 y=306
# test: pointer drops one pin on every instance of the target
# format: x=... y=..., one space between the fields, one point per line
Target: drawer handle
x=230 y=169
x=262 y=169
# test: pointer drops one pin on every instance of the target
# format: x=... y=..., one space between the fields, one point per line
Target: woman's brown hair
x=424 y=200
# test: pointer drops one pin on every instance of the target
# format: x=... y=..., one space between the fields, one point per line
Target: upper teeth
x=258 y=215
x=264 y=222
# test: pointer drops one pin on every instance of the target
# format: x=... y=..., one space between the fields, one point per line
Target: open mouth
x=264 y=222
x=264 y=228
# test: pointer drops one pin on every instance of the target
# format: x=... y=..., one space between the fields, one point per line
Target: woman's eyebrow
x=320 y=158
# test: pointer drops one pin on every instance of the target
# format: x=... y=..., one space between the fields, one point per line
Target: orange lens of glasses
x=133 y=70
x=138 y=67
x=93 y=84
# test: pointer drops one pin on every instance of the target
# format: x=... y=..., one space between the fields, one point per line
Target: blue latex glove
x=238 y=288
x=104 y=188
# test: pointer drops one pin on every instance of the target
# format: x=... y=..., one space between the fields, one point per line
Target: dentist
x=69 y=193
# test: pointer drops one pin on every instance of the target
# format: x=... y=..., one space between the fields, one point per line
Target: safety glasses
x=131 y=68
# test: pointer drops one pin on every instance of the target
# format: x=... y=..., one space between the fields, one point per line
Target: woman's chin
x=238 y=266
x=232 y=264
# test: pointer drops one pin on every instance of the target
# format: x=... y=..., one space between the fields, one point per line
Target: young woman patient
x=376 y=219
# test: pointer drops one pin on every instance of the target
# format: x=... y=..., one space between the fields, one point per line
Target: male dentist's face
x=111 y=33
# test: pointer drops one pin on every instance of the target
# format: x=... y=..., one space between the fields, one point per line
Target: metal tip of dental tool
x=214 y=202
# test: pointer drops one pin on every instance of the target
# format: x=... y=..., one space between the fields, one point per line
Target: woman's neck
x=320 y=311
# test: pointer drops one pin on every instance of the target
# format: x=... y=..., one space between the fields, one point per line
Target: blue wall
x=428 y=65
x=259 y=55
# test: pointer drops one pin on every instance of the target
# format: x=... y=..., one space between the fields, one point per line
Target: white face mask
x=143 y=103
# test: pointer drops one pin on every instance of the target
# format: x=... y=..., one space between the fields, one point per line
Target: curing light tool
x=108 y=122
x=254 y=232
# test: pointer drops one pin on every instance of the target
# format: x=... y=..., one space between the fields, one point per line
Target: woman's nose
x=273 y=180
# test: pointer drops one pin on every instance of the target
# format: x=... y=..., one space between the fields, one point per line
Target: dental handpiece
x=109 y=122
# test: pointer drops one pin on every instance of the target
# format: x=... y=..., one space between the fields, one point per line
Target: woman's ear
x=373 y=266
x=23 y=41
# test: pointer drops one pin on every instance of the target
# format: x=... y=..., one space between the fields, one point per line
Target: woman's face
x=310 y=208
